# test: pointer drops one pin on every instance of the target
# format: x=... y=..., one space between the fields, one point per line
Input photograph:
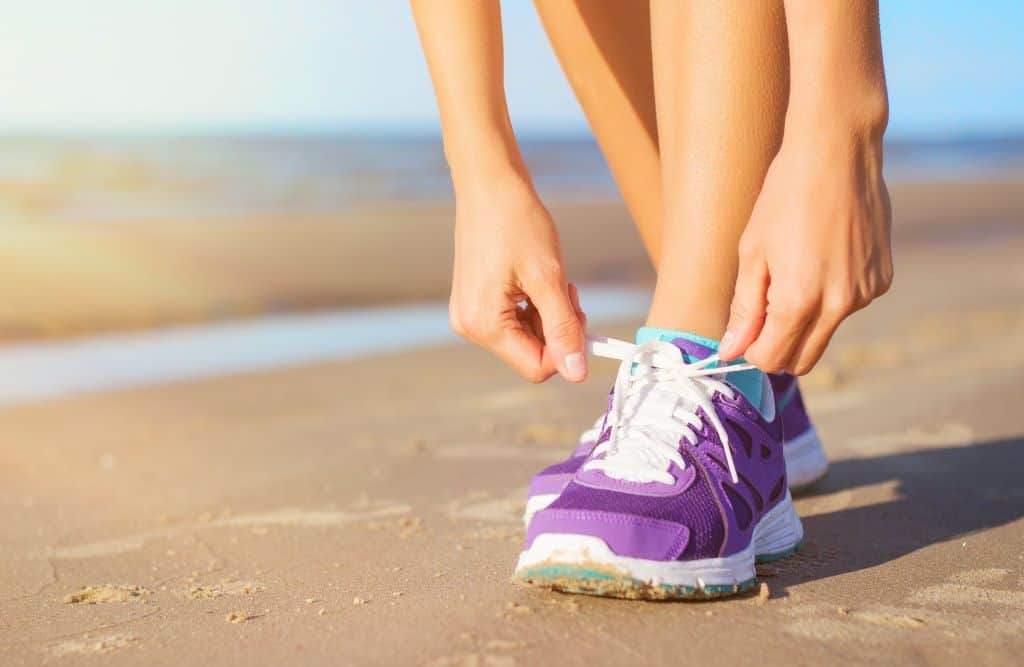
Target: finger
x=747 y=312
x=574 y=297
x=563 y=330
x=524 y=352
x=530 y=317
x=784 y=328
x=810 y=350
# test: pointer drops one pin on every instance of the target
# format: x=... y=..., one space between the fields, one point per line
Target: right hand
x=507 y=252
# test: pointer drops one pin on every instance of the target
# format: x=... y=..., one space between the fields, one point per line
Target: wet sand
x=367 y=512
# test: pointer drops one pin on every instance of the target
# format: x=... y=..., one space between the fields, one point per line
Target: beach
x=98 y=236
x=368 y=511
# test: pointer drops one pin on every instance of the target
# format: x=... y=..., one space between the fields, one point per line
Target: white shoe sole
x=806 y=462
x=584 y=564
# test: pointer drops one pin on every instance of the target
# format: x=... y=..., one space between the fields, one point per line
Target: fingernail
x=575 y=366
x=728 y=340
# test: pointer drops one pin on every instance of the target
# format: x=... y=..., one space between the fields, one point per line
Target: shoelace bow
x=655 y=401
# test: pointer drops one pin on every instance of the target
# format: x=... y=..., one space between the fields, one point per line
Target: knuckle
x=565 y=328
x=472 y=323
x=792 y=304
x=544 y=272
x=841 y=303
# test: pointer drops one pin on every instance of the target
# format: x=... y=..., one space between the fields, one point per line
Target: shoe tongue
x=695 y=348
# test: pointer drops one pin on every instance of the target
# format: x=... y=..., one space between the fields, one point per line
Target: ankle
x=692 y=310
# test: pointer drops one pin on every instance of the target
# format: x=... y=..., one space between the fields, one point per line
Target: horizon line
x=412 y=132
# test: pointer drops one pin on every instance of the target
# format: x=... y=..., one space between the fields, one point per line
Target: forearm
x=462 y=42
x=837 y=79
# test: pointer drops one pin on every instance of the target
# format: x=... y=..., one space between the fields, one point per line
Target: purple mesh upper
x=710 y=517
x=795 y=422
x=790 y=404
x=569 y=466
x=692 y=350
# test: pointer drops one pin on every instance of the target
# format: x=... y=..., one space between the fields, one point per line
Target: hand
x=507 y=252
x=816 y=249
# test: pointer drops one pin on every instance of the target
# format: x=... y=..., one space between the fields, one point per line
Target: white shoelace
x=655 y=403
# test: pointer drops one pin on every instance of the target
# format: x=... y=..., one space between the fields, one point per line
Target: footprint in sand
x=91 y=646
x=481 y=653
x=989 y=575
x=963 y=588
x=981 y=615
x=874 y=624
x=288 y=516
x=473 y=660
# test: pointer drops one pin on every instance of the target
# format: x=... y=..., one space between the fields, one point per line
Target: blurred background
x=216 y=189
x=179 y=162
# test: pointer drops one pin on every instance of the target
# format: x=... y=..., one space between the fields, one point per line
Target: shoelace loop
x=655 y=402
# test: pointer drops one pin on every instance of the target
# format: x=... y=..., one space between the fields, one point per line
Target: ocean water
x=89 y=179
x=46 y=370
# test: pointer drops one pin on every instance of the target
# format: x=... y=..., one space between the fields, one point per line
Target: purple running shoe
x=806 y=463
x=684 y=491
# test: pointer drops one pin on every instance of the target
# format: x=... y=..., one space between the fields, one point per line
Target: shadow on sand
x=942 y=494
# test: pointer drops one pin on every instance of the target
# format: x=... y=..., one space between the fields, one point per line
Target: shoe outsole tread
x=591 y=581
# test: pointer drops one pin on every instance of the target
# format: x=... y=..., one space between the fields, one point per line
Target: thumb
x=747 y=313
x=563 y=329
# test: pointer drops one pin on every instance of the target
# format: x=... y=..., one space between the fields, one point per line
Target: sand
x=368 y=512
x=72 y=277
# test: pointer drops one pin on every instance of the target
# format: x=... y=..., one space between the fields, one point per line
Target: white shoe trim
x=778 y=532
x=806 y=462
x=536 y=503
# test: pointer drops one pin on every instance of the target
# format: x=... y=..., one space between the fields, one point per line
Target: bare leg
x=605 y=49
x=721 y=85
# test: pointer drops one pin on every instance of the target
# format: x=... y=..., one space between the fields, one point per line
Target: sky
x=70 y=66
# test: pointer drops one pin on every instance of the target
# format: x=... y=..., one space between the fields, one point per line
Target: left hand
x=816 y=249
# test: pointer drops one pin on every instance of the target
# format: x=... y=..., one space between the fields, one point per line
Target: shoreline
x=72 y=279
x=50 y=370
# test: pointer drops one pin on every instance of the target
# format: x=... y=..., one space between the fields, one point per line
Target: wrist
x=843 y=118
x=485 y=179
x=859 y=113
x=479 y=157
x=840 y=153
x=507 y=187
